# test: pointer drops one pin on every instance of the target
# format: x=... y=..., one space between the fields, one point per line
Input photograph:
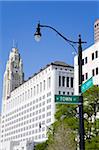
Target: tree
x=61 y=135
x=63 y=132
x=68 y=113
x=91 y=122
x=63 y=138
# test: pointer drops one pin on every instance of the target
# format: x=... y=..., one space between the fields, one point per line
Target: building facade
x=96 y=31
x=13 y=76
x=90 y=61
x=30 y=106
x=90 y=68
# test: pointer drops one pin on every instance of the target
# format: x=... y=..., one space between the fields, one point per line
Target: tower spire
x=13 y=75
x=14 y=44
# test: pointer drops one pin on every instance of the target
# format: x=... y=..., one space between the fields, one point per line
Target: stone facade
x=13 y=76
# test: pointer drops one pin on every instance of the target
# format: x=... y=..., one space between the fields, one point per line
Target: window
x=48 y=107
x=67 y=81
x=44 y=84
x=48 y=120
x=85 y=60
x=72 y=93
x=63 y=93
x=86 y=76
x=22 y=148
x=63 y=81
x=96 y=54
x=49 y=82
x=43 y=103
x=92 y=56
x=93 y=72
x=37 y=88
x=28 y=93
x=59 y=80
x=48 y=94
x=82 y=77
x=31 y=92
x=82 y=61
x=25 y=95
x=96 y=70
x=48 y=114
x=43 y=116
x=48 y=101
x=40 y=86
x=71 y=82
x=67 y=93
x=34 y=90
x=59 y=92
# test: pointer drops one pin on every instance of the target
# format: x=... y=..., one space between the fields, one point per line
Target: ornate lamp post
x=37 y=36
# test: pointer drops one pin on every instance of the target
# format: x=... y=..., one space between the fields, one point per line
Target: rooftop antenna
x=15 y=44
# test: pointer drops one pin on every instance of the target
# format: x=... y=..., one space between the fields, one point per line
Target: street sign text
x=67 y=99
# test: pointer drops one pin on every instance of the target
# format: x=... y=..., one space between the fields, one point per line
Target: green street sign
x=66 y=99
x=87 y=85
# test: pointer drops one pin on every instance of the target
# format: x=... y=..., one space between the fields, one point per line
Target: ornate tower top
x=13 y=75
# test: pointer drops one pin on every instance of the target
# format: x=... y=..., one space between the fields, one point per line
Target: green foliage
x=62 y=133
x=92 y=144
x=91 y=98
x=63 y=137
x=41 y=146
x=67 y=113
x=64 y=111
x=91 y=123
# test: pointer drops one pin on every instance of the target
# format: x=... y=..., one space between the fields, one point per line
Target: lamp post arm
x=47 y=26
x=67 y=40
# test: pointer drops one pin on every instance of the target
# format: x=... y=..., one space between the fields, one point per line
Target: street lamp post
x=79 y=42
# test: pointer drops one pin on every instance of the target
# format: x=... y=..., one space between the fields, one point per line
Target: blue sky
x=18 y=22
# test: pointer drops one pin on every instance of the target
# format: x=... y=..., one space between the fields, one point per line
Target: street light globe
x=37 y=36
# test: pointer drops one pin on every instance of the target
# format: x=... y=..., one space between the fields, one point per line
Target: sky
x=18 y=20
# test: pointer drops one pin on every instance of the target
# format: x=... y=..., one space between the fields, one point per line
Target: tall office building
x=13 y=76
x=30 y=105
x=96 y=31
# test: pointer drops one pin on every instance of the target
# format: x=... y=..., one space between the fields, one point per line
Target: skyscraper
x=13 y=76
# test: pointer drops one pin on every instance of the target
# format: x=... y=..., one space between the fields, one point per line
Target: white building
x=90 y=66
x=28 y=108
x=96 y=31
x=90 y=61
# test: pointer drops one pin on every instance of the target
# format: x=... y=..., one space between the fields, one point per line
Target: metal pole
x=81 y=120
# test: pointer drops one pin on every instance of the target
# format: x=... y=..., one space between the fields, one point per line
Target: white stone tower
x=13 y=75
